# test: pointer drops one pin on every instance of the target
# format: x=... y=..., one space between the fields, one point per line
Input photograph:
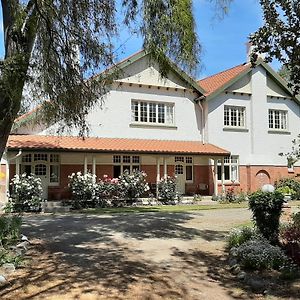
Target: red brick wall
x=102 y=170
x=253 y=178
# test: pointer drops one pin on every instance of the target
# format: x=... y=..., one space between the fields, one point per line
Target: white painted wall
x=256 y=146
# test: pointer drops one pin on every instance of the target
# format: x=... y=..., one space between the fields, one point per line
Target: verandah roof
x=93 y=144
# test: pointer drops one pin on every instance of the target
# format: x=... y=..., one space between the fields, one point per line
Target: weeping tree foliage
x=53 y=46
x=279 y=37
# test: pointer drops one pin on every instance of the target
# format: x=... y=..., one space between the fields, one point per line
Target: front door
x=180 y=176
x=41 y=171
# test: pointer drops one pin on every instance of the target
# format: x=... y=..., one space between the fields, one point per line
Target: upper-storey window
x=278 y=119
x=152 y=112
x=234 y=116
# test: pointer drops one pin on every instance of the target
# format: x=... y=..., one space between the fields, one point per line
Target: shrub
x=133 y=185
x=296 y=219
x=266 y=209
x=107 y=191
x=10 y=227
x=260 y=255
x=239 y=236
x=290 y=237
x=292 y=183
x=26 y=195
x=167 y=189
x=83 y=188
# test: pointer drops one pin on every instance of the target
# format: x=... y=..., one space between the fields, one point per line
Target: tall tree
x=279 y=37
x=55 y=45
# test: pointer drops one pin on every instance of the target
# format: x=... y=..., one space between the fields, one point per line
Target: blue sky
x=223 y=40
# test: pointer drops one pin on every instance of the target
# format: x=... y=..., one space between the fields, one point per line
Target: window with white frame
x=231 y=168
x=152 y=112
x=125 y=162
x=42 y=164
x=277 y=119
x=235 y=116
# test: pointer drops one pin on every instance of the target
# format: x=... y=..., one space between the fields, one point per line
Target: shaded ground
x=130 y=256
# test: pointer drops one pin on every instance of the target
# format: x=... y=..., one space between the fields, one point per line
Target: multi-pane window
x=40 y=170
x=152 y=112
x=179 y=158
x=122 y=163
x=26 y=158
x=42 y=164
x=234 y=116
x=54 y=158
x=278 y=119
x=40 y=157
x=178 y=169
x=231 y=168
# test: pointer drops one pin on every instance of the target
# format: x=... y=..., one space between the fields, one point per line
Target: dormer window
x=152 y=113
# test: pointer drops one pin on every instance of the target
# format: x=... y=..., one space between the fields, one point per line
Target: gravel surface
x=128 y=256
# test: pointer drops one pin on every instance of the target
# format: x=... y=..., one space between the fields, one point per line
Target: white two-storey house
x=223 y=130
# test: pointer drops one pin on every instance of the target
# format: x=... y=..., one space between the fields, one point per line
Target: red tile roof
x=35 y=142
x=214 y=82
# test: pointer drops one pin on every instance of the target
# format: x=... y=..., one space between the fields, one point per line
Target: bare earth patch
x=130 y=256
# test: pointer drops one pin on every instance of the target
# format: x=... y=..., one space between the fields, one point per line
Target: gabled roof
x=120 y=65
x=216 y=84
x=186 y=78
x=213 y=83
x=93 y=144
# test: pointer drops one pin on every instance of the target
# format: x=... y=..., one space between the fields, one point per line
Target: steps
x=54 y=207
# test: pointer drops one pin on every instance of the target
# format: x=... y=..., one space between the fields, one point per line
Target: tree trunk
x=8 y=114
x=19 y=42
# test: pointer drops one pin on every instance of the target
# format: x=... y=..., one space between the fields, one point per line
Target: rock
x=8 y=268
x=241 y=275
x=2 y=279
x=256 y=284
x=235 y=269
x=23 y=245
x=232 y=261
x=24 y=238
x=233 y=251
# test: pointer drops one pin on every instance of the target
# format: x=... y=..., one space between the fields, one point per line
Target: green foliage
x=167 y=189
x=83 y=188
x=133 y=185
x=10 y=227
x=26 y=195
x=74 y=40
x=266 y=210
x=296 y=219
x=292 y=183
x=278 y=37
x=259 y=254
x=7 y=256
x=239 y=236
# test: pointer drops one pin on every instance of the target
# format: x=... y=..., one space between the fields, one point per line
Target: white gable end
x=139 y=72
x=273 y=89
x=242 y=86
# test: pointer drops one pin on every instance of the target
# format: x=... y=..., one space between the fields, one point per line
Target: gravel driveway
x=127 y=256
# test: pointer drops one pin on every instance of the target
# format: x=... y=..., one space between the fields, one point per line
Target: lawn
x=170 y=208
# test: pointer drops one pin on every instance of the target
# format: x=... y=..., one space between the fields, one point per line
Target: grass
x=162 y=208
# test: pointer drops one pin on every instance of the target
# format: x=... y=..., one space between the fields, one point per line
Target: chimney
x=250 y=49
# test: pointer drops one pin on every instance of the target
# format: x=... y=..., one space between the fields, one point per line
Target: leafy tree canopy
x=279 y=37
x=56 y=45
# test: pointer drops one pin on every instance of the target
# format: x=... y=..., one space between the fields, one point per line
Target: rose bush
x=26 y=194
x=167 y=189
